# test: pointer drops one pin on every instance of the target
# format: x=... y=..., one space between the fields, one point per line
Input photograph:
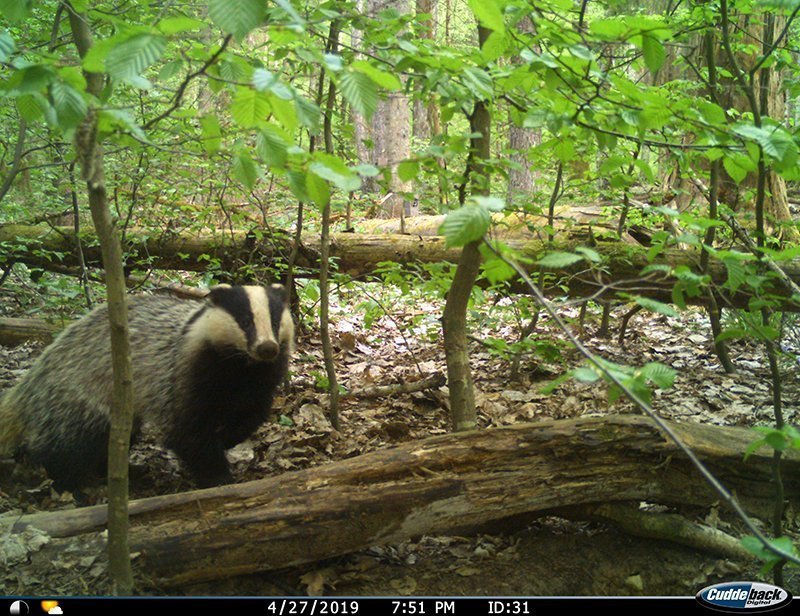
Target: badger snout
x=267 y=350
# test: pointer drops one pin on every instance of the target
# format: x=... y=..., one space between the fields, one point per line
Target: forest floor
x=551 y=556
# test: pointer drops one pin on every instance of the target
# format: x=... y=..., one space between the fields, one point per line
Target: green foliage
x=361 y=91
x=637 y=380
x=770 y=559
x=237 y=17
x=467 y=224
x=7 y=46
x=129 y=58
x=15 y=10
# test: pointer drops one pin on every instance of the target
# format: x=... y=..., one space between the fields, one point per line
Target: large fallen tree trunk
x=434 y=486
x=16 y=331
x=360 y=255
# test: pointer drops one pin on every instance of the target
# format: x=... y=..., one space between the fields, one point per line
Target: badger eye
x=247 y=321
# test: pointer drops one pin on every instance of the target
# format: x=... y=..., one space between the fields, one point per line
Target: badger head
x=249 y=319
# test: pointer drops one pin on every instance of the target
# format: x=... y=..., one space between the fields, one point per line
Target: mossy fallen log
x=359 y=255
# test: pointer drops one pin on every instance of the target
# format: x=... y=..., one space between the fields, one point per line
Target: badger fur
x=204 y=376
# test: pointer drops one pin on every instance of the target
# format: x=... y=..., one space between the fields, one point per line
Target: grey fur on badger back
x=203 y=374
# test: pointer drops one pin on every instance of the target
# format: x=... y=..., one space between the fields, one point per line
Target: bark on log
x=570 y=222
x=17 y=331
x=359 y=256
x=432 y=486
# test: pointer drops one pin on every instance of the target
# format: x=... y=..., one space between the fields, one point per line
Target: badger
x=204 y=376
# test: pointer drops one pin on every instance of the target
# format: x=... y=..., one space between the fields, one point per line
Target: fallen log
x=16 y=331
x=360 y=255
x=433 y=486
x=571 y=221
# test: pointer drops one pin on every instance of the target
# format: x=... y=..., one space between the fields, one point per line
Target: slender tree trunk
x=454 y=319
x=327 y=347
x=90 y=156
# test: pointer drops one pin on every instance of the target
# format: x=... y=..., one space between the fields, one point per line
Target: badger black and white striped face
x=250 y=319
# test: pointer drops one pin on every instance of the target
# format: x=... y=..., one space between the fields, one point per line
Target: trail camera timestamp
x=412 y=607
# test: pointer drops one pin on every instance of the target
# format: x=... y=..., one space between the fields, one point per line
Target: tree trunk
x=521 y=178
x=454 y=318
x=391 y=127
x=90 y=154
x=361 y=132
x=425 y=111
x=443 y=484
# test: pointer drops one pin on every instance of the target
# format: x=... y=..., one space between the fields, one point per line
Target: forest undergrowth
x=374 y=346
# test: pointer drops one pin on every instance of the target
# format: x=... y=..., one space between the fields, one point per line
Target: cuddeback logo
x=744 y=597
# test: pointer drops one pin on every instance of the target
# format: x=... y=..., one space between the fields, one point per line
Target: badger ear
x=216 y=293
x=279 y=291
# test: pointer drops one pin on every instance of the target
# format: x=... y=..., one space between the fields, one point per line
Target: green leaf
x=678 y=297
x=174 y=25
x=494 y=46
x=307 y=113
x=31 y=79
x=335 y=171
x=385 y=80
x=754 y=546
x=272 y=146
x=31 y=106
x=488 y=14
x=479 y=82
x=284 y=113
x=656 y=306
x=318 y=190
x=589 y=254
x=464 y=225
x=297 y=20
x=662 y=376
x=7 y=46
x=550 y=387
x=234 y=69
x=496 y=270
x=15 y=10
x=585 y=375
x=737 y=165
x=492 y=204
x=266 y=81
x=68 y=103
x=95 y=59
x=131 y=57
x=211 y=134
x=237 y=17
x=170 y=69
x=776 y=143
x=407 y=170
x=123 y=121
x=654 y=53
x=245 y=170
x=333 y=62
x=297 y=183
x=559 y=260
x=366 y=170
x=360 y=91
x=249 y=108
